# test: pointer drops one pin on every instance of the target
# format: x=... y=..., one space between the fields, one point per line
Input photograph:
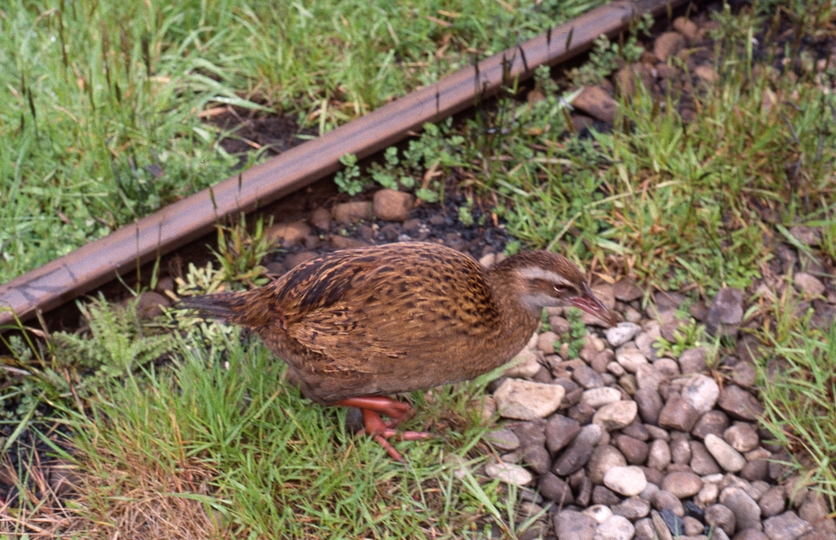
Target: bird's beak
x=593 y=306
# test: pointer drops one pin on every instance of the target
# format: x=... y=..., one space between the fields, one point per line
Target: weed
x=577 y=331
x=240 y=252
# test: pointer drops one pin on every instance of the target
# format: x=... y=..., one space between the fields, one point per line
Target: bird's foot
x=372 y=407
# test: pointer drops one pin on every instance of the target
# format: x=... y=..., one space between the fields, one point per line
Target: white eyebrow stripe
x=538 y=272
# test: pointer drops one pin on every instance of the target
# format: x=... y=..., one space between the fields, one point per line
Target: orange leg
x=372 y=407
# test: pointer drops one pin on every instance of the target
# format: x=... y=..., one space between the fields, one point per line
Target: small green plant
x=240 y=252
x=685 y=337
x=544 y=321
x=348 y=179
x=465 y=214
x=392 y=175
x=604 y=58
x=577 y=331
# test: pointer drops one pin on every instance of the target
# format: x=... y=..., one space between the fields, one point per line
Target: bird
x=356 y=326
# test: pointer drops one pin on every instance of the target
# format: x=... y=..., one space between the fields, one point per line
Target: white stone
x=616 y=415
x=701 y=392
x=598 y=512
x=630 y=358
x=727 y=457
x=508 y=473
x=526 y=400
x=627 y=481
x=615 y=528
x=598 y=397
x=523 y=366
x=621 y=334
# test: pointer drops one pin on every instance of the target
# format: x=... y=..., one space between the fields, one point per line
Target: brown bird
x=358 y=324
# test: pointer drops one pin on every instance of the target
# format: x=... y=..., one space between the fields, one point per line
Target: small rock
x=720 y=516
x=659 y=455
x=632 y=508
x=701 y=393
x=616 y=415
x=692 y=360
x=596 y=102
x=739 y=403
x=678 y=414
x=587 y=377
x=714 y=422
x=686 y=27
x=621 y=334
x=773 y=502
x=615 y=528
x=626 y=481
x=579 y=451
x=706 y=73
x=808 y=284
x=702 y=462
x=815 y=511
x=503 y=440
x=346 y=242
x=649 y=403
x=598 y=512
x=546 y=341
x=806 y=235
x=288 y=234
x=630 y=358
x=742 y=436
x=555 y=489
x=321 y=219
x=683 y=484
x=523 y=366
x=626 y=290
x=598 y=397
x=667 y=501
x=560 y=431
x=508 y=473
x=726 y=312
x=604 y=458
x=727 y=457
x=787 y=526
x=149 y=304
x=524 y=400
x=352 y=212
x=747 y=513
x=668 y=44
x=391 y=205
x=634 y=450
x=574 y=525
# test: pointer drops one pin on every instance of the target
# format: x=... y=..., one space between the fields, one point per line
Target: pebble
x=739 y=403
x=808 y=284
x=599 y=513
x=596 y=102
x=727 y=457
x=615 y=528
x=621 y=334
x=508 y=473
x=701 y=393
x=626 y=481
x=524 y=400
x=746 y=511
x=503 y=440
x=391 y=205
x=616 y=415
x=683 y=484
x=524 y=366
x=598 y=397
x=352 y=212
x=726 y=312
x=630 y=358
x=560 y=430
x=575 y=525
x=787 y=526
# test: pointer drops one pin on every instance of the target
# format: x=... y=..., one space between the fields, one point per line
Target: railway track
x=103 y=261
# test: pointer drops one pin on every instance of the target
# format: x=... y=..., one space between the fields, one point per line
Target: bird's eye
x=559 y=288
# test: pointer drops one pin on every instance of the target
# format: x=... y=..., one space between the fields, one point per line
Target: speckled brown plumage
x=400 y=317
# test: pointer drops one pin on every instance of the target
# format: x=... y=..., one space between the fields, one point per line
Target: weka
x=358 y=324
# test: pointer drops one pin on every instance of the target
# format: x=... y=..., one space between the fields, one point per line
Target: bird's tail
x=227 y=306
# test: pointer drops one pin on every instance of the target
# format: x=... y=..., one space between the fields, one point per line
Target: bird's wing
x=368 y=314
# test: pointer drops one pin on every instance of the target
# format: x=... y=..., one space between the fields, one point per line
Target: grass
x=103 y=123
x=213 y=447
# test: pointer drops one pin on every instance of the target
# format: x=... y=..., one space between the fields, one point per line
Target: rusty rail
x=99 y=262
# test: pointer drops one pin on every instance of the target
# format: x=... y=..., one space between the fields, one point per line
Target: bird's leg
x=372 y=407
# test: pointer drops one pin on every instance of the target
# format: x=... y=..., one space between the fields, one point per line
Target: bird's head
x=544 y=279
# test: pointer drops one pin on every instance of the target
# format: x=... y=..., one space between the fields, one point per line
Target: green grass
x=220 y=440
x=101 y=124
